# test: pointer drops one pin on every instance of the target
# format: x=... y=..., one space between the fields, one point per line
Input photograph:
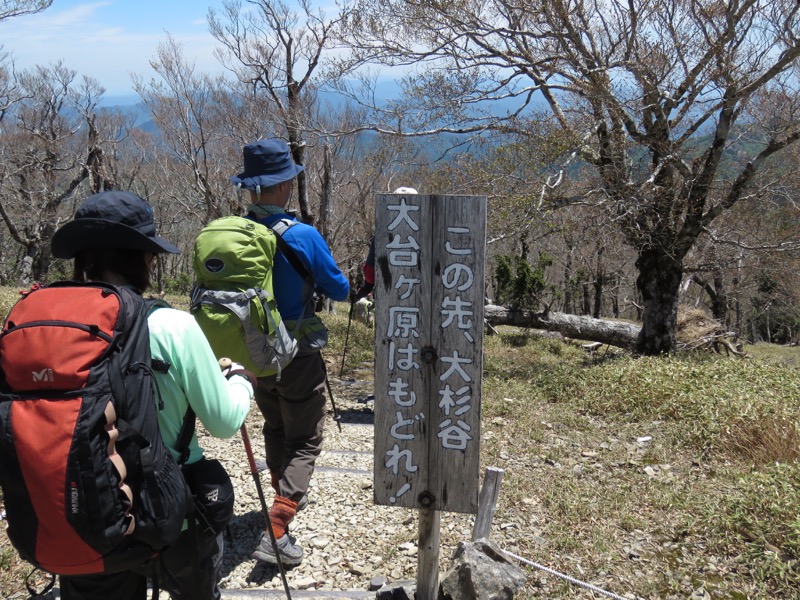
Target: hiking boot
x=291 y=554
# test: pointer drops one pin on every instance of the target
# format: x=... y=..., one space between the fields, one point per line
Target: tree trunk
x=325 y=195
x=737 y=306
x=159 y=282
x=43 y=257
x=586 y=310
x=598 y=296
x=659 y=283
x=297 y=147
x=568 y=282
x=614 y=333
x=769 y=332
x=599 y=282
x=26 y=269
x=719 y=308
x=524 y=249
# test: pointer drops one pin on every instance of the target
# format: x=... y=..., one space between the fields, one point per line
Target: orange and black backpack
x=87 y=483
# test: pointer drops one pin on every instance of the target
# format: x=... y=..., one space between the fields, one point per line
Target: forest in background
x=635 y=159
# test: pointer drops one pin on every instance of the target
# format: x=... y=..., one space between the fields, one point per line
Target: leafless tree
x=15 y=8
x=184 y=107
x=51 y=145
x=10 y=92
x=280 y=51
x=654 y=93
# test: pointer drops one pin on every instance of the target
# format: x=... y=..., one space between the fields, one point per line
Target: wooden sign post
x=429 y=297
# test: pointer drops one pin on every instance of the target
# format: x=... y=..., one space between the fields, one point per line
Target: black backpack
x=88 y=484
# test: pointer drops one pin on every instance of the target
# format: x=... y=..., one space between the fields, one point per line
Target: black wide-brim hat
x=266 y=163
x=111 y=219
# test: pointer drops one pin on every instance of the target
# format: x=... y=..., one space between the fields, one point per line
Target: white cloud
x=87 y=40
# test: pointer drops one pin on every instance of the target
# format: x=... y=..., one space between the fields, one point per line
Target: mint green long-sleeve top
x=193 y=379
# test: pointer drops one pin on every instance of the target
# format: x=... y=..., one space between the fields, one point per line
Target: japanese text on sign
x=429 y=333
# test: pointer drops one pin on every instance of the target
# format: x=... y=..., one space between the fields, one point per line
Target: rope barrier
x=577 y=582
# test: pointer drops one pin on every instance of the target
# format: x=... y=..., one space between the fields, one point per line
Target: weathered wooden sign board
x=429 y=297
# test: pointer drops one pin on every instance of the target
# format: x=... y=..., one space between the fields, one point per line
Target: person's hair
x=266 y=190
x=130 y=265
x=269 y=189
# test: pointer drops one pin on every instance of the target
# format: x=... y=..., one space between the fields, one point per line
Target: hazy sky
x=110 y=39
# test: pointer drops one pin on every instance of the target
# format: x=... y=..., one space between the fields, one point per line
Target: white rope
x=582 y=584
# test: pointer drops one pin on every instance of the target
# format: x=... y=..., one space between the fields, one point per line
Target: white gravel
x=348 y=541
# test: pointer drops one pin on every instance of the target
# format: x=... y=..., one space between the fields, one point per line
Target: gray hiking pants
x=294 y=416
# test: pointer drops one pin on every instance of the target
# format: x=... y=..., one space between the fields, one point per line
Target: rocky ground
x=350 y=543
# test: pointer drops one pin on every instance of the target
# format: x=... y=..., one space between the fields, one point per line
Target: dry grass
x=762 y=441
x=696 y=324
x=662 y=478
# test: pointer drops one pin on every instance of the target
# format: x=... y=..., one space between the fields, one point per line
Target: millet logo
x=73 y=498
x=43 y=375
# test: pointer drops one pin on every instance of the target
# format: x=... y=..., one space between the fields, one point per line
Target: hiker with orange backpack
x=292 y=402
x=113 y=240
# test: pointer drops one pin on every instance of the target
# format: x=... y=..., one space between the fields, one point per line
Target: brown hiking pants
x=294 y=416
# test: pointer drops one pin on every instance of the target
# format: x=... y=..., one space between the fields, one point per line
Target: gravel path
x=348 y=541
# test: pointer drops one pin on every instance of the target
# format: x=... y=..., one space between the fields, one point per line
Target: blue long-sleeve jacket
x=311 y=248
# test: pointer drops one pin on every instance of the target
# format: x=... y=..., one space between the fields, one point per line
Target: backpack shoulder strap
x=185 y=436
x=280 y=227
x=151 y=304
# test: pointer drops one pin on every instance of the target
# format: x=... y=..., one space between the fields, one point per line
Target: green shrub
x=521 y=285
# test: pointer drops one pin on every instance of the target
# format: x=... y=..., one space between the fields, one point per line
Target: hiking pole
x=346 y=337
x=336 y=416
x=254 y=471
x=225 y=363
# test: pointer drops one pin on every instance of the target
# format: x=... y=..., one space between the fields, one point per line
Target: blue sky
x=109 y=39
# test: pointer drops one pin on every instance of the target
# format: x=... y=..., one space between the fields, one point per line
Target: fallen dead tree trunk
x=613 y=333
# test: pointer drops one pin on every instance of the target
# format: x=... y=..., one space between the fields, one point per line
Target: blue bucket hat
x=111 y=219
x=266 y=163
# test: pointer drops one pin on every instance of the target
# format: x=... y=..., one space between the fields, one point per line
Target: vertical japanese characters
x=429 y=333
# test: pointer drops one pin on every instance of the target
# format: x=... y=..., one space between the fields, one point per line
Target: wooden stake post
x=429 y=291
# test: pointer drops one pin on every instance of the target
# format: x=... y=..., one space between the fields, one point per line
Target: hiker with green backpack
x=113 y=242
x=256 y=278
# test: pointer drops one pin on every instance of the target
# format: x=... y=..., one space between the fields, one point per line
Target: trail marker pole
x=428 y=554
x=429 y=258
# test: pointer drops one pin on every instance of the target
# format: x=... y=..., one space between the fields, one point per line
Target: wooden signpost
x=429 y=290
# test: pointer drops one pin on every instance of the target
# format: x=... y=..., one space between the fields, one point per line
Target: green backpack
x=232 y=299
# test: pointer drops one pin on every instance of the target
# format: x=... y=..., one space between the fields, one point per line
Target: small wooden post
x=428 y=554
x=487 y=503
